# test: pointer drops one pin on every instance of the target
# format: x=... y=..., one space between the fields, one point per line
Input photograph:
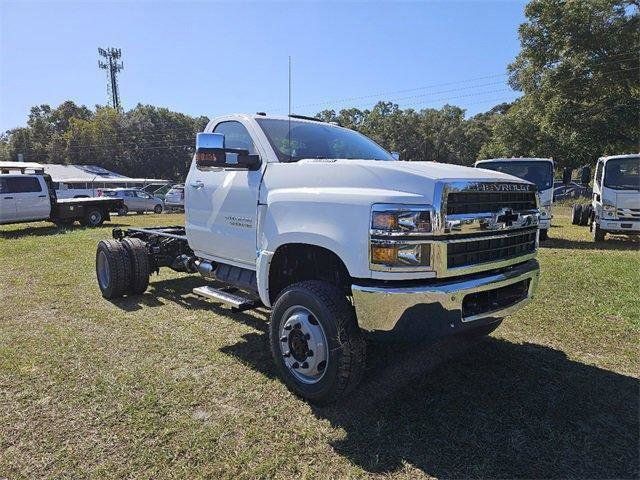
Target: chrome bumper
x=437 y=306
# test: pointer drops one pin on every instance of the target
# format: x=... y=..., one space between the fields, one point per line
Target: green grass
x=169 y=386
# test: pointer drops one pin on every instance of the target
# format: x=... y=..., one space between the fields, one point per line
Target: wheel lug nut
x=283 y=339
x=295 y=365
x=305 y=365
x=310 y=353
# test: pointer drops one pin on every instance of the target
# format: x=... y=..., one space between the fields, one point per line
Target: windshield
x=538 y=172
x=622 y=173
x=318 y=140
x=109 y=193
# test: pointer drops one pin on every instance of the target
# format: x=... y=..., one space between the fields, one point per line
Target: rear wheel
x=94 y=217
x=157 y=209
x=113 y=268
x=315 y=341
x=577 y=214
x=584 y=215
x=140 y=267
x=123 y=210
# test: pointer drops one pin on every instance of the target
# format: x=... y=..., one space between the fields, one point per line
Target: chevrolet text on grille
x=501 y=187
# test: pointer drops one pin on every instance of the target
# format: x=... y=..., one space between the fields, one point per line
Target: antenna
x=289 y=116
x=112 y=55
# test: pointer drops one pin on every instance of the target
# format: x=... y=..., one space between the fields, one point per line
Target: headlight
x=609 y=210
x=400 y=220
x=400 y=254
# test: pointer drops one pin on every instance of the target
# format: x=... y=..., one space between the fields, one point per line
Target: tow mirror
x=566 y=175
x=211 y=152
x=395 y=155
x=585 y=175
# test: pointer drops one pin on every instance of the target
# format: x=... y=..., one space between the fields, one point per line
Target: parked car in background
x=174 y=198
x=135 y=200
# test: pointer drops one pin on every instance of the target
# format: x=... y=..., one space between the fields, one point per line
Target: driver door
x=222 y=204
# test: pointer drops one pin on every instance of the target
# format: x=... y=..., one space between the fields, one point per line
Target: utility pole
x=112 y=55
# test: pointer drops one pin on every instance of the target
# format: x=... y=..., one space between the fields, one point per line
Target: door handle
x=197 y=184
x=41 y=196
x=8 y=198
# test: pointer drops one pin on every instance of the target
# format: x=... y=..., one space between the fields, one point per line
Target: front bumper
x=435 y=309
x=619 y=226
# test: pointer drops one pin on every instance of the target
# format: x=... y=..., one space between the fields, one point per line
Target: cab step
x=223 y=295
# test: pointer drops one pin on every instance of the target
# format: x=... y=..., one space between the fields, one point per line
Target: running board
x=236 y=302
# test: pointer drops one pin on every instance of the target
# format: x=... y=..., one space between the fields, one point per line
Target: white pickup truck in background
x=535 y=170
x=30 y=197
x=341 y=241
x=615 y=204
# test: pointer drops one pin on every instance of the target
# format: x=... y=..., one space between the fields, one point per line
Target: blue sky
x=210 y=58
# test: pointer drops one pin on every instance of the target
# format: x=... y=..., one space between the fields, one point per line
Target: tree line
x=578 y=72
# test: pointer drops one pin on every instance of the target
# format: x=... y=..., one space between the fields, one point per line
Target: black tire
x=157 y=209
x=584 y=215
x=482 y=331
x=140 y=266
x=123 y=210
x=346 y=347
x=597 y=233
x=577 y=214
x=544 y=234
x=94 y=217
x=113 y=269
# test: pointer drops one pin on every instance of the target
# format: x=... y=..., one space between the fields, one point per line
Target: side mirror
x=566 y=175
x=585 y=175
x=395 y=155
x=211 y=152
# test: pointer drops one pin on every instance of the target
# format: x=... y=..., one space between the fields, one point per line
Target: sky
x=214 y=58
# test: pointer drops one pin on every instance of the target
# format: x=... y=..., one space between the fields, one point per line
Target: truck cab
x=535 y=170
x=23 y=198
x=341 y=241
x=615 y=205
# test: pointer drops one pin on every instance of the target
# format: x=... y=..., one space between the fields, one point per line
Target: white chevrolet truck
x=342 y=242
x=535 y=170
x=615 y=204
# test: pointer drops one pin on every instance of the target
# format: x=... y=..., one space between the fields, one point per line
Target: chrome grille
x=630 y=214
x=475 y=251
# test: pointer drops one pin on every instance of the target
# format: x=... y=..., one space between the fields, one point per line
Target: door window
x=142 y=195
x=236 y=136
x=22 y=185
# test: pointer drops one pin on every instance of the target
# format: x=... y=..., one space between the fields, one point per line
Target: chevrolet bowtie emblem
x=507 y=217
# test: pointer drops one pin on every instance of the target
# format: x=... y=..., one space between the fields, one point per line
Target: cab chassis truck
x=341 y=241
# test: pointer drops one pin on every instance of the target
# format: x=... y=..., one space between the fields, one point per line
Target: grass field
x=169 y=386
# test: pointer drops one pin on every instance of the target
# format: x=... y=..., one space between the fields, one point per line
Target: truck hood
x=375 y=180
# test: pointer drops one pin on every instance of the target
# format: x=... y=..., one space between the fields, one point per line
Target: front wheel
x=123 y=210
x=577 y=214
x=157 y=209
x=544 y=234
x=315 y=341
x=597 y=232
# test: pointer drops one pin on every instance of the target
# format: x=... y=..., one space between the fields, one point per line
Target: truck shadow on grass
x=459 y=408
x=47 y=230
x=487 y=409
x=615 y=243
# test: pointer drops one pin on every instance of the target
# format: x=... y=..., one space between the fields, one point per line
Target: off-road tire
x=94 y=217
x=158 y=209
x=597 y=233
x=577 y=214
x=346 y=346
x=140 y=267
x=119 y=265
x=544 y=234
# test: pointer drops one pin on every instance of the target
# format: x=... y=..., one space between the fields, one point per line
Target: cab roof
x=514 y=159
x=612 y=157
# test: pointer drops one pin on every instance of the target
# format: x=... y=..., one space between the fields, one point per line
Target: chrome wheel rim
x=104 y=272
x=94 y=217
x=303 y=345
